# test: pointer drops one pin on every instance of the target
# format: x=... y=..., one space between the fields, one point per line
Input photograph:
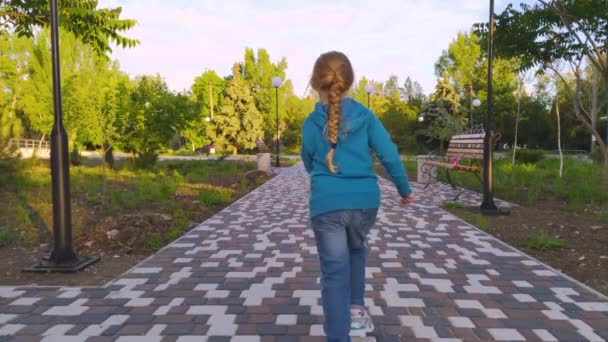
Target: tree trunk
x=595 y=85
x=235 y=151
x=559 y=136
x=516 y=124
x=41 y=140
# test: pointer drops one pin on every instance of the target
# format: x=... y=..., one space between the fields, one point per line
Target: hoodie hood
x=354 y=116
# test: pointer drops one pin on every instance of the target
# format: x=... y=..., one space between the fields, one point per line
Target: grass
x=26 y=194
x=543 y=242
x=582 y=183
x=214 y=197
x=482 y=223
x=452 y=205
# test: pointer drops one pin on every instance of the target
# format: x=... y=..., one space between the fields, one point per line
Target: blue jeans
x=342 y=251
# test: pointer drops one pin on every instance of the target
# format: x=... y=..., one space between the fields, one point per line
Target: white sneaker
x=360 y=322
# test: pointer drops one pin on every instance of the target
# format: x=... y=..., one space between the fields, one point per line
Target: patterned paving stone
x=251 y=273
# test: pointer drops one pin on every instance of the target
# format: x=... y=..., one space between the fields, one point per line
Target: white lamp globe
x=476 y=103
x=420 y=118
x=276 y=81
x=369 y=89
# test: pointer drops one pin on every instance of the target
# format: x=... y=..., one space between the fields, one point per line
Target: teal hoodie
x=355 y=185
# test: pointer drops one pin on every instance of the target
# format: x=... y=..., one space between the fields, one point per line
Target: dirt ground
x=585 y=255
x=121 y=240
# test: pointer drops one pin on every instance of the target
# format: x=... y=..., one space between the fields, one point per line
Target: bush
x=146 y=160
x=543 y=242
x=75 y=157
x=597 y=156
x=529 y=156
x=212 y=197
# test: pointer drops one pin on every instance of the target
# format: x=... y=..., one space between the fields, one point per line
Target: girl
x=345 y=196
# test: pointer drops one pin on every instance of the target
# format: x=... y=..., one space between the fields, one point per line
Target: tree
x=99 y=27
x=462 y=63
x=239 y=124
x=258 y=72
x=547 y=32
x=443 y=113
x=414 y=94
x=12 y=71
x=207 y=90
x=391 y=87
x=153 y=118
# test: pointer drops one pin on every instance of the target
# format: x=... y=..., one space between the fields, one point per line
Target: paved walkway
x=251 y=274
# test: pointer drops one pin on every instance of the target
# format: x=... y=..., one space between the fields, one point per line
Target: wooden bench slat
x=468 y=136
x=467 y=141
x=465 y=150
x=467 y=156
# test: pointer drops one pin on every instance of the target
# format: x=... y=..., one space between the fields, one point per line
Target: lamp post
x=488 y=207
x=369 y=88
x=276 y=83
x=421 y=118
x=63 y=258
x=476 y=103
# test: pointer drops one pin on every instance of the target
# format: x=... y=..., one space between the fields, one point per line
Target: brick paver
x=250 y=273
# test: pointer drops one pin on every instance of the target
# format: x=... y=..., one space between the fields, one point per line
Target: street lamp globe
x=369 y=89
x=476 y=103
x=276 y=81
x=420 y=118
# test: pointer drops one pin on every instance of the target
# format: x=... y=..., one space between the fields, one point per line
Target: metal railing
x=29 y=143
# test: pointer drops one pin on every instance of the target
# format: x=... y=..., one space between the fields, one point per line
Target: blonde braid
x=333 y=74
x=336 y=90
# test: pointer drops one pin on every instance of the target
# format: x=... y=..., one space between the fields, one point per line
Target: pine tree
x=239 y=123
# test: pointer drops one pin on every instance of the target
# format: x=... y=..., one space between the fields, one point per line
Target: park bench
x=465 y=151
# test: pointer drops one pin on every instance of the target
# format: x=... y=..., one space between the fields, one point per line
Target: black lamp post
x=369 y=89
x=63 y=258
x=276 y=83
x=488 y=207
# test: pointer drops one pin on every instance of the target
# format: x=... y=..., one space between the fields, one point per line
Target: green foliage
x=452 y=205
x=529 y=156
x=538 y=36
x=258 y=71
x=153 y=242
x=75 y=157
x=99 y=27
x=482 y=223
x=442 y=115
x=215 y=197
x=543 y=242
x=240 y=122
x=582 y=183
x=597 y=156
x=146 y=160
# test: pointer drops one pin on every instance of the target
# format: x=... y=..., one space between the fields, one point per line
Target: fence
x=29 y=143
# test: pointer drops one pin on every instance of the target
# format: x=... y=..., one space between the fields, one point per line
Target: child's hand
x=407 y=200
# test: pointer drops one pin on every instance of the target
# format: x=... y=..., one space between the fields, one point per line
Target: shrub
x=529 y=156
x=211 y=197
x=597 y=156
x=543 y=242
x=146 y=160
x=75 y=157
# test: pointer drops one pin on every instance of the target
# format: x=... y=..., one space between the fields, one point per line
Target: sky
x=180 y=39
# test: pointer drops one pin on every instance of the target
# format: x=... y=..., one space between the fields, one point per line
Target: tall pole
x=277 y=103
x=368 y=101
x=63 y=257
x=211 y=100
x=488 y=206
